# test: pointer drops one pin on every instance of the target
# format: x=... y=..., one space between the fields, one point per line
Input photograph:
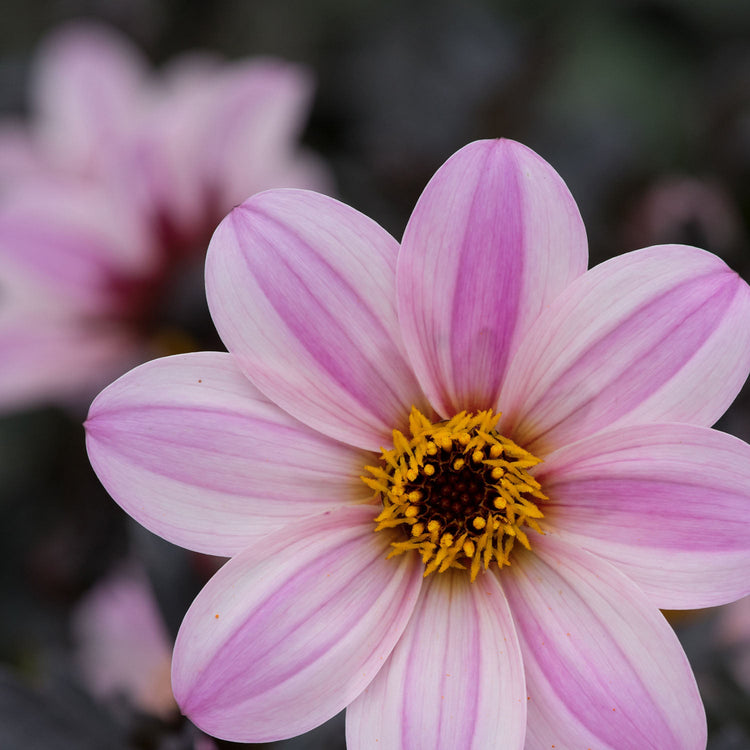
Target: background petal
x=81 y=245
x=667 y=504
x=493 y=239
x=302 y=291
x=87 y=88
x=190 y=449
x=454 y=680
x=283 y=637
x=657 y=335
x=60 y=359
x=603 y=668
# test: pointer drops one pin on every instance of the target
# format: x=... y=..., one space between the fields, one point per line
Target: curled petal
x=190 y=449
x=454 y=680
x=666 y=504
x=285 y=635
x=302 y=291
x=657 y=335
x=603 y=668
x=494 y=238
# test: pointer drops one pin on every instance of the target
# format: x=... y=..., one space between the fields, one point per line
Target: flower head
x=119 y=176
x=457 y=476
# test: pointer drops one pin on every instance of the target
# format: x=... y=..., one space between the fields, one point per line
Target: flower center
x=458 y=490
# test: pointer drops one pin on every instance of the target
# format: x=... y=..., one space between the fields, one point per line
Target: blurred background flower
x=111 y=192
x=122 y=141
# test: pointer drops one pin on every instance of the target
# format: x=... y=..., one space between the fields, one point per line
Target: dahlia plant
x=457 y=478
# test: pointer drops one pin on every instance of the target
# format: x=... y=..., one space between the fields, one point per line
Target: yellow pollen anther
x=456 y=492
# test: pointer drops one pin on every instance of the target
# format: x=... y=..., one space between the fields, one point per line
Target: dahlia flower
x=118 y=176
x=456 y=478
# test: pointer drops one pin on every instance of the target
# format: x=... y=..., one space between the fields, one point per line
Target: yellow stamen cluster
x=460 y=492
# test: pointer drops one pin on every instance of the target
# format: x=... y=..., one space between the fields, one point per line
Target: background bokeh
x=642 y=107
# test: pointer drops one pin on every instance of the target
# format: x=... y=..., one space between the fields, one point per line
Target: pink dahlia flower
x=118 y=176
x=457 y=478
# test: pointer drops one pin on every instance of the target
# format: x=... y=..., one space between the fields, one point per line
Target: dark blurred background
x=642 y=107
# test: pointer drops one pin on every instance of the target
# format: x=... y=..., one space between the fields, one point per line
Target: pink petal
x=164 y=171
x=19 y=156
x=495 y=237
x=250 y=138
x=666 y=504
x=190 y=449
x=122 y=644
x=86 y=90
x=454 y=680
x=285 y=635
x=60 y=359
x=603 y=668
x=657 y=335
x=301 y=289
x=77 y=241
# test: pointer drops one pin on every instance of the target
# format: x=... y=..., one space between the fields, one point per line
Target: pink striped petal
x=666 y=504
x=657 y=335
x=283 y=637
x=301 y=289
x=454 y=680
x=603 y=668
x=190 y=449
x=495 y=237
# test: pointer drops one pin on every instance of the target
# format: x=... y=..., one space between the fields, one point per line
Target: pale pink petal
x=603 y=668
x=48 y=360
x=191 y=450
x=657 y=335
x=286 y=635
x=122 y=644
x=215 y=134
x=86 y=88
x=19 y=155
x=251 y=134
x=302 y=290
x=83 y=247
x=667 y=504
x=492 y=241
x=165 y=171
x=454 y=680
